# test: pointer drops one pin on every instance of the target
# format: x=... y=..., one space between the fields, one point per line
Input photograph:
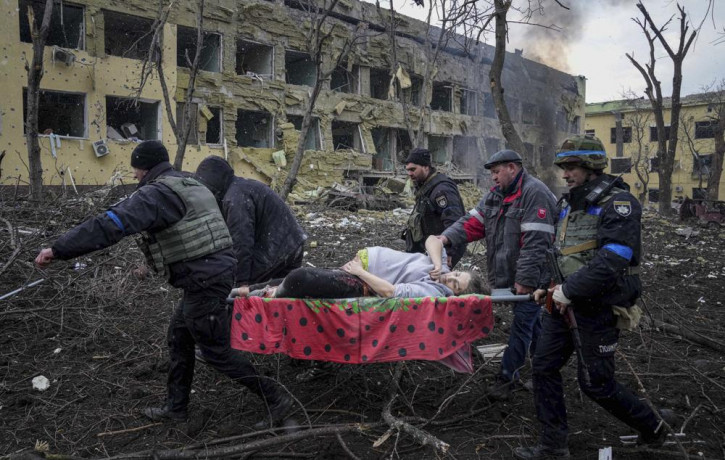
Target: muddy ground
x=98 y=335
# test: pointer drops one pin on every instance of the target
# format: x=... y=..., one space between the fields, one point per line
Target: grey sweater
x=407 y=272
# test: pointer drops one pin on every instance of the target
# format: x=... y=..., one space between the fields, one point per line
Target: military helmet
x=503 y=156
x=585 y=151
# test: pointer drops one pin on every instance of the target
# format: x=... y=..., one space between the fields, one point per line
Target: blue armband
x=621 y=250
x=112 y=215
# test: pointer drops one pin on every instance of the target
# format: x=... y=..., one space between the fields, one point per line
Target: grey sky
x=596 y=34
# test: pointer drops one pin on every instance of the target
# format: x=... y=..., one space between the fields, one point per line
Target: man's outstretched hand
x=45 y=257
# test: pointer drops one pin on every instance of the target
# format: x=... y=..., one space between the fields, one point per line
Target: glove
x=559 y=296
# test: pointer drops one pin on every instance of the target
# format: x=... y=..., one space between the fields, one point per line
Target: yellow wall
x=602 y=121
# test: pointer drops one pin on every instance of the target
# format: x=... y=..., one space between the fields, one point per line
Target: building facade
x=253 y=88
x=635 y=155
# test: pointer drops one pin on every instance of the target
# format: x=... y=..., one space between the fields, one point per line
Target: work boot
x=541 y=452
x=500 y=389
x=164 y=414
x=659 y=436
x=276 y=412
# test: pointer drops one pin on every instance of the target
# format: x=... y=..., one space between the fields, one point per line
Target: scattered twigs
x=396 y=424
x=128 y=430
x=692 y=336
x=250 y=446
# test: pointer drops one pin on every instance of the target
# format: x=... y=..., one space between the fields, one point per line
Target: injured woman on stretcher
x=378 y=271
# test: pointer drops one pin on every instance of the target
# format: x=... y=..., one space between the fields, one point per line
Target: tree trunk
x=291 y=180
x=497 y=91
x=32 y=101
x=713 y=180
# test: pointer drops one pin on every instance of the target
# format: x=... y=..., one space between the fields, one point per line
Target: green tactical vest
x=200 y=232
x=576 y=234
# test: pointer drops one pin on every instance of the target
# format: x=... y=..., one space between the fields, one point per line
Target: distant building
x=638 y=146
x=251 y=93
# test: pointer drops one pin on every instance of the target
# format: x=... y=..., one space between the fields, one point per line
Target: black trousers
x=283 y=268
x=202 y=318
x=599 y=342
x=317 y=283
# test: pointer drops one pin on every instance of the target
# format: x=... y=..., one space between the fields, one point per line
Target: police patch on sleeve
x=623 y=208
x=441 y=201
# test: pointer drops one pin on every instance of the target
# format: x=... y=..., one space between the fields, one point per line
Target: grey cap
x=503 y=156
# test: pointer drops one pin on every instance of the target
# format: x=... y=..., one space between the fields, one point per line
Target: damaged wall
x=257 y=109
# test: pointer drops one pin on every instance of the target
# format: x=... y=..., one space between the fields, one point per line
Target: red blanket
x=363 y=330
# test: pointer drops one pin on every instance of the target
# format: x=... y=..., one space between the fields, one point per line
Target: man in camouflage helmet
x=516 y=218
x=598 y=236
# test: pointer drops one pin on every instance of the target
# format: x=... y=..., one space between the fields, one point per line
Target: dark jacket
x=438 y=205
x=264 y=230
x=152 y=207
x=518 y=226
x=606 y=278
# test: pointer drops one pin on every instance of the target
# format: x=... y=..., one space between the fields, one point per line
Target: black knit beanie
x=419 y=156
x=148 y=154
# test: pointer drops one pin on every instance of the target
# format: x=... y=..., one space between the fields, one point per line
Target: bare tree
x=154 y=62
x=638 y=118
x=666 y=148
x=717 y=120
x=319 y=37
x=35 y=73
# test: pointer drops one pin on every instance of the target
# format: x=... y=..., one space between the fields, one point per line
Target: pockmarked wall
x=254 y=88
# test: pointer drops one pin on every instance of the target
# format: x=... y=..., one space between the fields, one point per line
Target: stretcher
x=366 y=329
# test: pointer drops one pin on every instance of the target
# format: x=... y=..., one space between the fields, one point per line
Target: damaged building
x=253 y=88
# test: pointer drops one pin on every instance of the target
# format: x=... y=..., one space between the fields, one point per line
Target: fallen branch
x=128 y=430
x=691 y=336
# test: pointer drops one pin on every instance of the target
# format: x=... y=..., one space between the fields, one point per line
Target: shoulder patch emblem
x=442 y=201
x=541 y=213
x=623 y=208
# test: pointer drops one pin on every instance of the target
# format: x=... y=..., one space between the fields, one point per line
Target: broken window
x=469 y=102
x=387 y=141
x=126 y=35
x=214 y=125
x=621 y=165
x=442 y=97
x=299 y=68
x=701 y=166
x=590 y=132
x=489 y=108
x=60 y=113
x=254 y=129
x=379 y=83
x=704 y=130
x=439 y=147
x=529 y=113
x=313 y=141
x=653 y=195
x=529 y=149
x=491 y=144
x=465 y=153
x=193 y=138
x=654 y=164
x=346 y=135
x=343 y=80
x=699 y=193
x=626 y=135
x=412 y=94
x=127 y=118
x=210 y=57
x=561 y=122
x=653 y=133
x=67 y=24
x=255 y=58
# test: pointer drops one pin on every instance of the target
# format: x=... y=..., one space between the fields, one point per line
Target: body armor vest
x=200 y=232
x=576 y=233
x=423 y=221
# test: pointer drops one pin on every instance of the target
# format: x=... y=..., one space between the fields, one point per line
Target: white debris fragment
x=57 y=350
x=41 y=383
